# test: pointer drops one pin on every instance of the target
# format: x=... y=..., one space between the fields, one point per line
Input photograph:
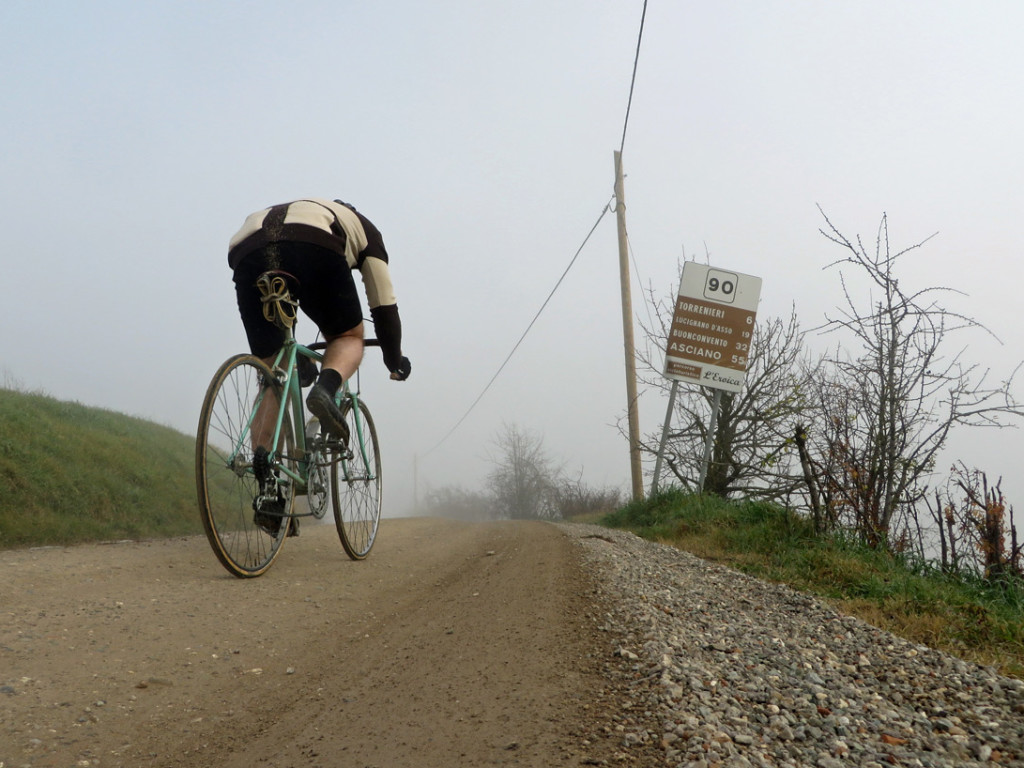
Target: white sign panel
x=712 y=327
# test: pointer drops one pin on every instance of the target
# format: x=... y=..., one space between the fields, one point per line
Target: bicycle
x=247 y=492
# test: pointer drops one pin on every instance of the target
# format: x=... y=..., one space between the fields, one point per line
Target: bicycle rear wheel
x=356 y=484
x=228 y=491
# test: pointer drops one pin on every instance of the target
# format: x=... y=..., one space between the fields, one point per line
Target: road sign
x=712 y=327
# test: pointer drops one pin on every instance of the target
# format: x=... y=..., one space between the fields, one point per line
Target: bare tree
x=574 y=499
x=524 y=482
x=976 y=530
x=989 y=523
x=752 y=451
x=887 y=406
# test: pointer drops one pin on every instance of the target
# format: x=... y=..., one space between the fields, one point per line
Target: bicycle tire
x=225 y=482
x=356 y=485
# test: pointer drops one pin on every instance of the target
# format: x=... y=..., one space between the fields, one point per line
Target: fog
x=479 y=137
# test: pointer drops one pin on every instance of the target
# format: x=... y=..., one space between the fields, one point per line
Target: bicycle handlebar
x=317 y=346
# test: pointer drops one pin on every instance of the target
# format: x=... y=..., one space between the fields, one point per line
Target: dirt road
x=454 y=644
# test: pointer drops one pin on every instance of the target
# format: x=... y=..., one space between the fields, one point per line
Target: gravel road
x=459 y=644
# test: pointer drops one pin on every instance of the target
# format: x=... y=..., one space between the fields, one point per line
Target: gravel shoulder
x=749 y=673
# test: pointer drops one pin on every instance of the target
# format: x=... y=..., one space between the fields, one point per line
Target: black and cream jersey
x=329 y=224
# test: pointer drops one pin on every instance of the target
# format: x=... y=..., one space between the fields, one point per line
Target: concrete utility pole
x=627 y=332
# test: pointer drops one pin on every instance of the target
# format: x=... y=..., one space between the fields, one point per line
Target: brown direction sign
x=712 y=327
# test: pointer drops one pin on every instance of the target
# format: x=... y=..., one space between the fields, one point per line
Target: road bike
x=257 y=453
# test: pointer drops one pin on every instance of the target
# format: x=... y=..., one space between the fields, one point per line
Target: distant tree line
x=852 y=436
x=524 y=484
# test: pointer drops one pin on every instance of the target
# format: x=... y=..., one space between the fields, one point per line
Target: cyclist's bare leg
x=262 y=431
x=344 y=352
x=342 y=356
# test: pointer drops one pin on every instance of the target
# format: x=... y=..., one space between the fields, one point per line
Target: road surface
x=453 y=644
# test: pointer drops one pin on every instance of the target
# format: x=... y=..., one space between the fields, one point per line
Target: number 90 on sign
x=720 y=286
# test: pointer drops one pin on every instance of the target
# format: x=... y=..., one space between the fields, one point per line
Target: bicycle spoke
x=356 y=485
x=228 y=490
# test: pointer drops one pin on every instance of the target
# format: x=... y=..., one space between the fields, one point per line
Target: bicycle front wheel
x=356 y=484
x=241 y=396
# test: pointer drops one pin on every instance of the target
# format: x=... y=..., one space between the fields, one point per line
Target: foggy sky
x=479 y=137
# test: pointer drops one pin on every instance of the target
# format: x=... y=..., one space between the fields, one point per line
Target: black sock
x=329 y=380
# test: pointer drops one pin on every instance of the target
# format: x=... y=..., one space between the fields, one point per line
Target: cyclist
x=319 y=242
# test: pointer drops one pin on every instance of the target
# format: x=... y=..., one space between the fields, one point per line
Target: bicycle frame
x=285 y=371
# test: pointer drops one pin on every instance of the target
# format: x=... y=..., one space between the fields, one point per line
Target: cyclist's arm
x=380 y=295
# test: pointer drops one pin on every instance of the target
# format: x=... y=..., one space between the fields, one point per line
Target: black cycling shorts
x=327 y=293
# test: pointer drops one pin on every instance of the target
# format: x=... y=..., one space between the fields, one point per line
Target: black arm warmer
x=388 y=327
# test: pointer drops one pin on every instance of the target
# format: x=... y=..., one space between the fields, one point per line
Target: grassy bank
x=967 y=617
x=70 y=473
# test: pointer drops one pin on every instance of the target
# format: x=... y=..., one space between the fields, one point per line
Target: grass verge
x=70 y=473
x=966 y=616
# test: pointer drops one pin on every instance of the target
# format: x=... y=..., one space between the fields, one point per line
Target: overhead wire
x=607 y=207
x=605 y=210
x=632 y=80
x=622 y=145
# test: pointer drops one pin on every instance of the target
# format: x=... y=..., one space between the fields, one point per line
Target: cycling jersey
x=304 y=237
x=329 y=224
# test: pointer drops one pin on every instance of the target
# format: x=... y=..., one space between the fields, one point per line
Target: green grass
x=70 y=473
x=963 y=615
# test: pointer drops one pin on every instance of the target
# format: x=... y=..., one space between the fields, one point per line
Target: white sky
x=479 y=137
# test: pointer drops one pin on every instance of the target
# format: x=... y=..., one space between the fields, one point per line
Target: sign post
x=710 y=339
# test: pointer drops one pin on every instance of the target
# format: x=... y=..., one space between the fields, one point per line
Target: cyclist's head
x=347 y=205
